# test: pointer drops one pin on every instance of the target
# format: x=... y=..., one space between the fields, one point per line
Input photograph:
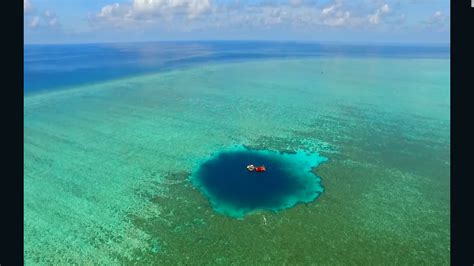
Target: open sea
x=136 y=154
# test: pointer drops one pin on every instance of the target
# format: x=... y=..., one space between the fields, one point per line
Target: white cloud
x=27 y=7
x=47 y=18
x=335 y=15
x=111 y=11
x=376 y=17
x=50 y=18
x=341 y=18
x=438 y=14
x=197 y=7
x=385 y=8
x=204 y=14
x=53 y=22
x=38 y=19
x=328 y=10
x=438 y=22
x=34 y=21
x=298 y=17
x=148 y=10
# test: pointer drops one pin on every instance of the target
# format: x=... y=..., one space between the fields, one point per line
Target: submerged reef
x=234 y=191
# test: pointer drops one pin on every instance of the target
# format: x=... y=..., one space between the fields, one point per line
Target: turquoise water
x=108 y=165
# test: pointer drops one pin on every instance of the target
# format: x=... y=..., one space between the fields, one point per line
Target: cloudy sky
x=366 y=21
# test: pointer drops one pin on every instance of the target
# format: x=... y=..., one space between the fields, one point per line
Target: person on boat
x=252 y=167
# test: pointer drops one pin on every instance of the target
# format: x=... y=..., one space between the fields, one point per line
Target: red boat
x=251 y=167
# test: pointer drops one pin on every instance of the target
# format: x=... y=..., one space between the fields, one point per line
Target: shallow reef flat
x=107 y=166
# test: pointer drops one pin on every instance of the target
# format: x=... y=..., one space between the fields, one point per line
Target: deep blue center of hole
x=234 y=190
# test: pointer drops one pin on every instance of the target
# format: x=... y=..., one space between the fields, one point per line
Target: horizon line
x=401 y=43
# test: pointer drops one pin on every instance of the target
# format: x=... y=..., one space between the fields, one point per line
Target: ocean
x=114 y=132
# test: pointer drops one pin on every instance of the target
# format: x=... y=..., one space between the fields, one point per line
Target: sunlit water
x=108 y=164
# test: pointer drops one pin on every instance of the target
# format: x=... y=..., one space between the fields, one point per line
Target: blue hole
x=235 y=191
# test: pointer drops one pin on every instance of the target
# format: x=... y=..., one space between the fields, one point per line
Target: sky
x=351 y=21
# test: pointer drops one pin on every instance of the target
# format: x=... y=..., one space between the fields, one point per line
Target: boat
x=252 y=167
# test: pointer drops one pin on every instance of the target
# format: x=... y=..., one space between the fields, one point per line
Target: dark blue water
x=56 y=66
x=235 y=191
x=227 y=178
